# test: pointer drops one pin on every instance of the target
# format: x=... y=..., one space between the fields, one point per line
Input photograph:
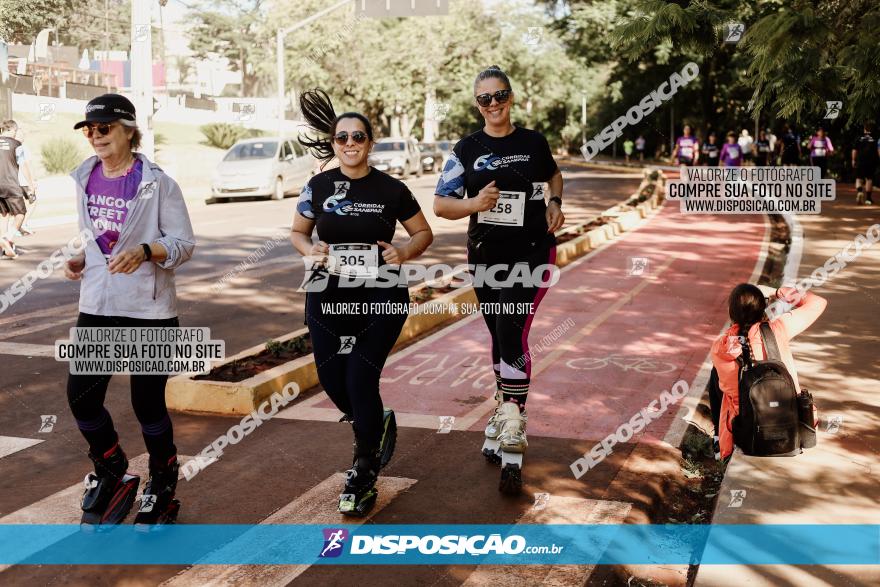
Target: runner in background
x=355 y=209
x=745 y=146
x=497 y=177
x=12 y=195
x=25 y=177
x=820 y=149
x=771 y=138
x=731 y=153
x=628 y=148
x=687 y=148
x=640 y=147
x=762 y=150
x=865 y=159
x=789 y=147
x=711 y=150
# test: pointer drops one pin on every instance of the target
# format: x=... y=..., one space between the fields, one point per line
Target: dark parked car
x=432 y=157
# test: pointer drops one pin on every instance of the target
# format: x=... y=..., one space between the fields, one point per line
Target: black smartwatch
x=148 y=252
x=556 y=199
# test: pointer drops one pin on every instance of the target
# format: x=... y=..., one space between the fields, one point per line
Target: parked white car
x=264 y=166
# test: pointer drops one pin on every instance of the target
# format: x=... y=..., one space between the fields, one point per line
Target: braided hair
x=317 y=109
x=746 y=306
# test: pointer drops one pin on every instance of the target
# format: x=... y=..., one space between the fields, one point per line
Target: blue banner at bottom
x=520 y=544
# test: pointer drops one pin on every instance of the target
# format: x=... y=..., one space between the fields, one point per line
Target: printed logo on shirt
x=336 y=203
x=493 y=162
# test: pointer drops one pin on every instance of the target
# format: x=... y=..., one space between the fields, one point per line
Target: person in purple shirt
x=687 y=148
x=109 y=199
x=820 y=148
x=731 y=153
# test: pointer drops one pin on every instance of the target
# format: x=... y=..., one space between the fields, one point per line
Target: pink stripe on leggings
x=551 y=260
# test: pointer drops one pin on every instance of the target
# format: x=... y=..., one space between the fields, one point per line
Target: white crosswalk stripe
x=316 y=506
x=12 y=444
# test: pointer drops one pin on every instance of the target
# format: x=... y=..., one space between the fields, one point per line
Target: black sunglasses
x=102 y=129
x=501 y=96
x=358 y=136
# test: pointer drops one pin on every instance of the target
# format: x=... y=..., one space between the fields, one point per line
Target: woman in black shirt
x=353 y=329
x=497 y=177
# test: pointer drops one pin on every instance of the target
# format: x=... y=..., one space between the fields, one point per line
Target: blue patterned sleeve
x=451 y=182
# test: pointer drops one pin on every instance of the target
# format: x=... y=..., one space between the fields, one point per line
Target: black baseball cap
x=107 y=108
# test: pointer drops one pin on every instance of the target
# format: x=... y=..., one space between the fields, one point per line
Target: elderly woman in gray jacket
x=140 y=232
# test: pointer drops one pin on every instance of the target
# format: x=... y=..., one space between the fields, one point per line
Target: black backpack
x=768 y=423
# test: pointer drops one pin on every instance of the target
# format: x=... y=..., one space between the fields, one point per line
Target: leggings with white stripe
x=509 y=311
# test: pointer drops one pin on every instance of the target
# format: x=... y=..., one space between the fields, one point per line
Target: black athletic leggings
x=508 y=313
x=351 y=339
x=85 y=395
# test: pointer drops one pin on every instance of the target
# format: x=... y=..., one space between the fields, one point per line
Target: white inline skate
x=505 y=444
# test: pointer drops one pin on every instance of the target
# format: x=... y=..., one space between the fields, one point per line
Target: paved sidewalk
x=836 y=482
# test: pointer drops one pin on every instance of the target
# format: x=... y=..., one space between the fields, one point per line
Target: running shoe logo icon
x=334 y=538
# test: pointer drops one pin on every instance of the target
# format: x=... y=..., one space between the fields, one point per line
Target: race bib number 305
x=354 y=259
x=509 y=210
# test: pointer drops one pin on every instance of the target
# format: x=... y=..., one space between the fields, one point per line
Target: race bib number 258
x=509 y=210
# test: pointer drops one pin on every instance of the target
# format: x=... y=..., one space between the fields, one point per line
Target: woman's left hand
x=127 y=261
x=555 y=217
x=392 y=254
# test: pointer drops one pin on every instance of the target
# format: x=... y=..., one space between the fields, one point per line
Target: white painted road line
x=316 y=506
x=24 y=349
x=12 y=444
x=558 y=510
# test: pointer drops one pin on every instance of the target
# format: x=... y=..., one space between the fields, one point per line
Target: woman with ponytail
x=746 y=307
x=355 y=209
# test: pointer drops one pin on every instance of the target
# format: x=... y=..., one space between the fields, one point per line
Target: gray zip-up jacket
x=158 y=214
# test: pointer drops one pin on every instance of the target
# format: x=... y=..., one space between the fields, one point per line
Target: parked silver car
x=397 y=156
x=432 y=157
x=264 y=166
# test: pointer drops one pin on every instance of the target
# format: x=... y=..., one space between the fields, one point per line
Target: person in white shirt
x=745 y=144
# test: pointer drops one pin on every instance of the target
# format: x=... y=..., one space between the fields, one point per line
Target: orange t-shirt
x=727 y=348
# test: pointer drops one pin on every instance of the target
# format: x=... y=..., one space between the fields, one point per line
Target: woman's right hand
x=487 y=197
x=320 y=249
x=74 y=267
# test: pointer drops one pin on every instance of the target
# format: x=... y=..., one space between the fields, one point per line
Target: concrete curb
x=183 y=393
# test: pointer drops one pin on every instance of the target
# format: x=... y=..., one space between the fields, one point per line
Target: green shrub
x=223 y=135
x=60 y=156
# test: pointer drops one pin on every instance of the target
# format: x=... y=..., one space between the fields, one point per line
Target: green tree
x=232 y=29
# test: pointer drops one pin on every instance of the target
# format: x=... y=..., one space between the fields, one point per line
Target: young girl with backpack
x=746 y=307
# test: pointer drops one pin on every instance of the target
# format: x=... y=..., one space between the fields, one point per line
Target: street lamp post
x=279 y=54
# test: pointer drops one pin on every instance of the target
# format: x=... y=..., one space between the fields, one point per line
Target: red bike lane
x=621 y=336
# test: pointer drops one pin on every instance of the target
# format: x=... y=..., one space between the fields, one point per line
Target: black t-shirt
x=519 y=162
x=9 y=162
x=363 y=210
x=711 y=151
x=866 y=148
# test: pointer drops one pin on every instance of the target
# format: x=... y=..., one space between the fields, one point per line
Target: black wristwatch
x=556 y=199
x=148 y=252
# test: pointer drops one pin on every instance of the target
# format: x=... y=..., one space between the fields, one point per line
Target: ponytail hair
x=317 y=109
x=746 y=306
x=493 y=71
